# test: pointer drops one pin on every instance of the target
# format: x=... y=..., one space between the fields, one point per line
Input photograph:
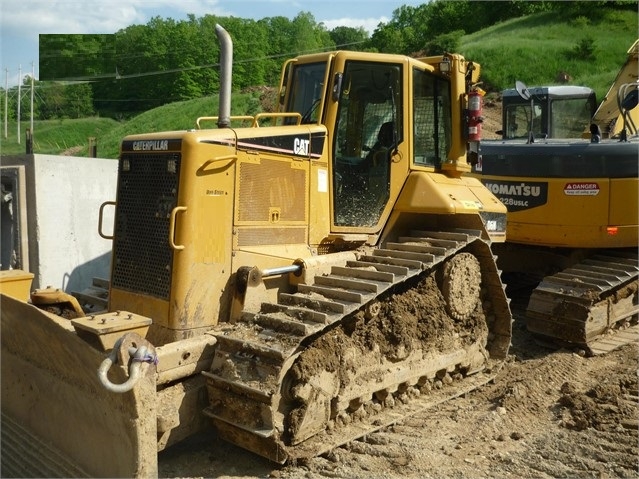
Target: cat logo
x=301 y=146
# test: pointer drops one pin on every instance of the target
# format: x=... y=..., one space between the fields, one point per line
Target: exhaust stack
x=226 y=67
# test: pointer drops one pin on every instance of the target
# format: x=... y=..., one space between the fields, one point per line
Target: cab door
x=367 y=134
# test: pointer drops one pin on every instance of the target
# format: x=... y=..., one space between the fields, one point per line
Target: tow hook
x=139 y=357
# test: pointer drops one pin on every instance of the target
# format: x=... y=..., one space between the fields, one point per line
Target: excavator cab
x=562 y=111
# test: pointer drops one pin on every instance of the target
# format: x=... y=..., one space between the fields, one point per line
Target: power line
x=118 y=76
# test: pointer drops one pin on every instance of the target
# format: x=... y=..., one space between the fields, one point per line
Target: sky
x=21 y=21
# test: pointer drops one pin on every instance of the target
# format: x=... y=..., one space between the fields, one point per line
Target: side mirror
x=630 y=100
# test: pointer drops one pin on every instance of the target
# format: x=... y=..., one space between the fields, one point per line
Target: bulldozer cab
x=363 y=102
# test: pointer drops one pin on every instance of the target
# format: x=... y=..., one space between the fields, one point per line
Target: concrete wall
x=62 y=202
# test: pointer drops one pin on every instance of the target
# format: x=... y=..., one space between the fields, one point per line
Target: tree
x=50 y=100
x=75 y=56
x=78 y=101
x=349 y=38
x=308 y=35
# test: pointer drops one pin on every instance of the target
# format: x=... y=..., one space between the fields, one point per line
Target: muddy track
x=401 y=329
x=549 y=413
x=579 y=304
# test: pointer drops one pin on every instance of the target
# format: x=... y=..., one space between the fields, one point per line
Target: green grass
x=532 y=49
x=72 y=136
x=537 y=48
x=56 y=136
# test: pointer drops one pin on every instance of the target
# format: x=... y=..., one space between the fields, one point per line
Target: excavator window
x=518 y=121
x=368 y=128
x=555 y=115
x=570 y=117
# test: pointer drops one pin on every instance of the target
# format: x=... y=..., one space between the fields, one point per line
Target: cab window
x=367 y=131
x=431 y=118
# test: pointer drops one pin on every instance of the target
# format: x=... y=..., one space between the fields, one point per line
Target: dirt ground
x=549 y=414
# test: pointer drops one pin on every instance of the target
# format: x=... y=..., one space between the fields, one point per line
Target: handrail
x=215 y=118
x=253 y=119
x=292 y=114
x=101 y=216
x=172 y=221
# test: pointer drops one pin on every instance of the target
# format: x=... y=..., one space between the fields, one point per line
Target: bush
x=445 y=43
x=584 y=50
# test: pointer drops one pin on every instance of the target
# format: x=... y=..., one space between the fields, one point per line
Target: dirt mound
x=492 y=117
x=602 y=407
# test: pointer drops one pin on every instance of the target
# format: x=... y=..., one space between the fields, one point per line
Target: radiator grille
x=271 y=184
x=147 y=192
x=270 y=236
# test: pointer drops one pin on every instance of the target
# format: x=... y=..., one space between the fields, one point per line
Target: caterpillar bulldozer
x=295 y=279
x=570 y=181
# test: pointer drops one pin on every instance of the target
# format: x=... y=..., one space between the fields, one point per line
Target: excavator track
x=593 y=304
x=382 y=337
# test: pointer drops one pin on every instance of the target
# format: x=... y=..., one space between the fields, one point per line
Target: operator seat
x=385 y=136
x=385 y=140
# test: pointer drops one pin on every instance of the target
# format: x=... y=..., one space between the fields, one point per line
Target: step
x=347 y=283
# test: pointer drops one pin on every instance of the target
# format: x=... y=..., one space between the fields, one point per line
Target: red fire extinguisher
x=475 y=101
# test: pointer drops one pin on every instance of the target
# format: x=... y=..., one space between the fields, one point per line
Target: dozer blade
x=57 y=418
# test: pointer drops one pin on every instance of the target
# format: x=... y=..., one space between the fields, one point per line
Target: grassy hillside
x=532 y=49
x=536 y=49
x=56 y=136
x=70 y=137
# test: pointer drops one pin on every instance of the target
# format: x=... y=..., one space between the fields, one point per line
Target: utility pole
x=32 y=85
x=19 y=95
x=6 y=102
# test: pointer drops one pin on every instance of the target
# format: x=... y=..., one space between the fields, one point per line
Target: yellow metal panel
x=574 y=202
x=201 y=269
x=579 y=213
x=154 y=308
x=16 y=283
x=573 y=236
x=436 y=193
x=319 y=211
x=624 y=202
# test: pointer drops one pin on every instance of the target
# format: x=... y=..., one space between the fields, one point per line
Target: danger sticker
x=581 y=189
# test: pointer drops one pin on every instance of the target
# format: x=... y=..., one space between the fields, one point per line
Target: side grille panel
x=147 y=192
x=268 y=185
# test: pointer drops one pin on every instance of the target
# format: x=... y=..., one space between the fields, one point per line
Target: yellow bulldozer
x=295 y=279
x=573 y=202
